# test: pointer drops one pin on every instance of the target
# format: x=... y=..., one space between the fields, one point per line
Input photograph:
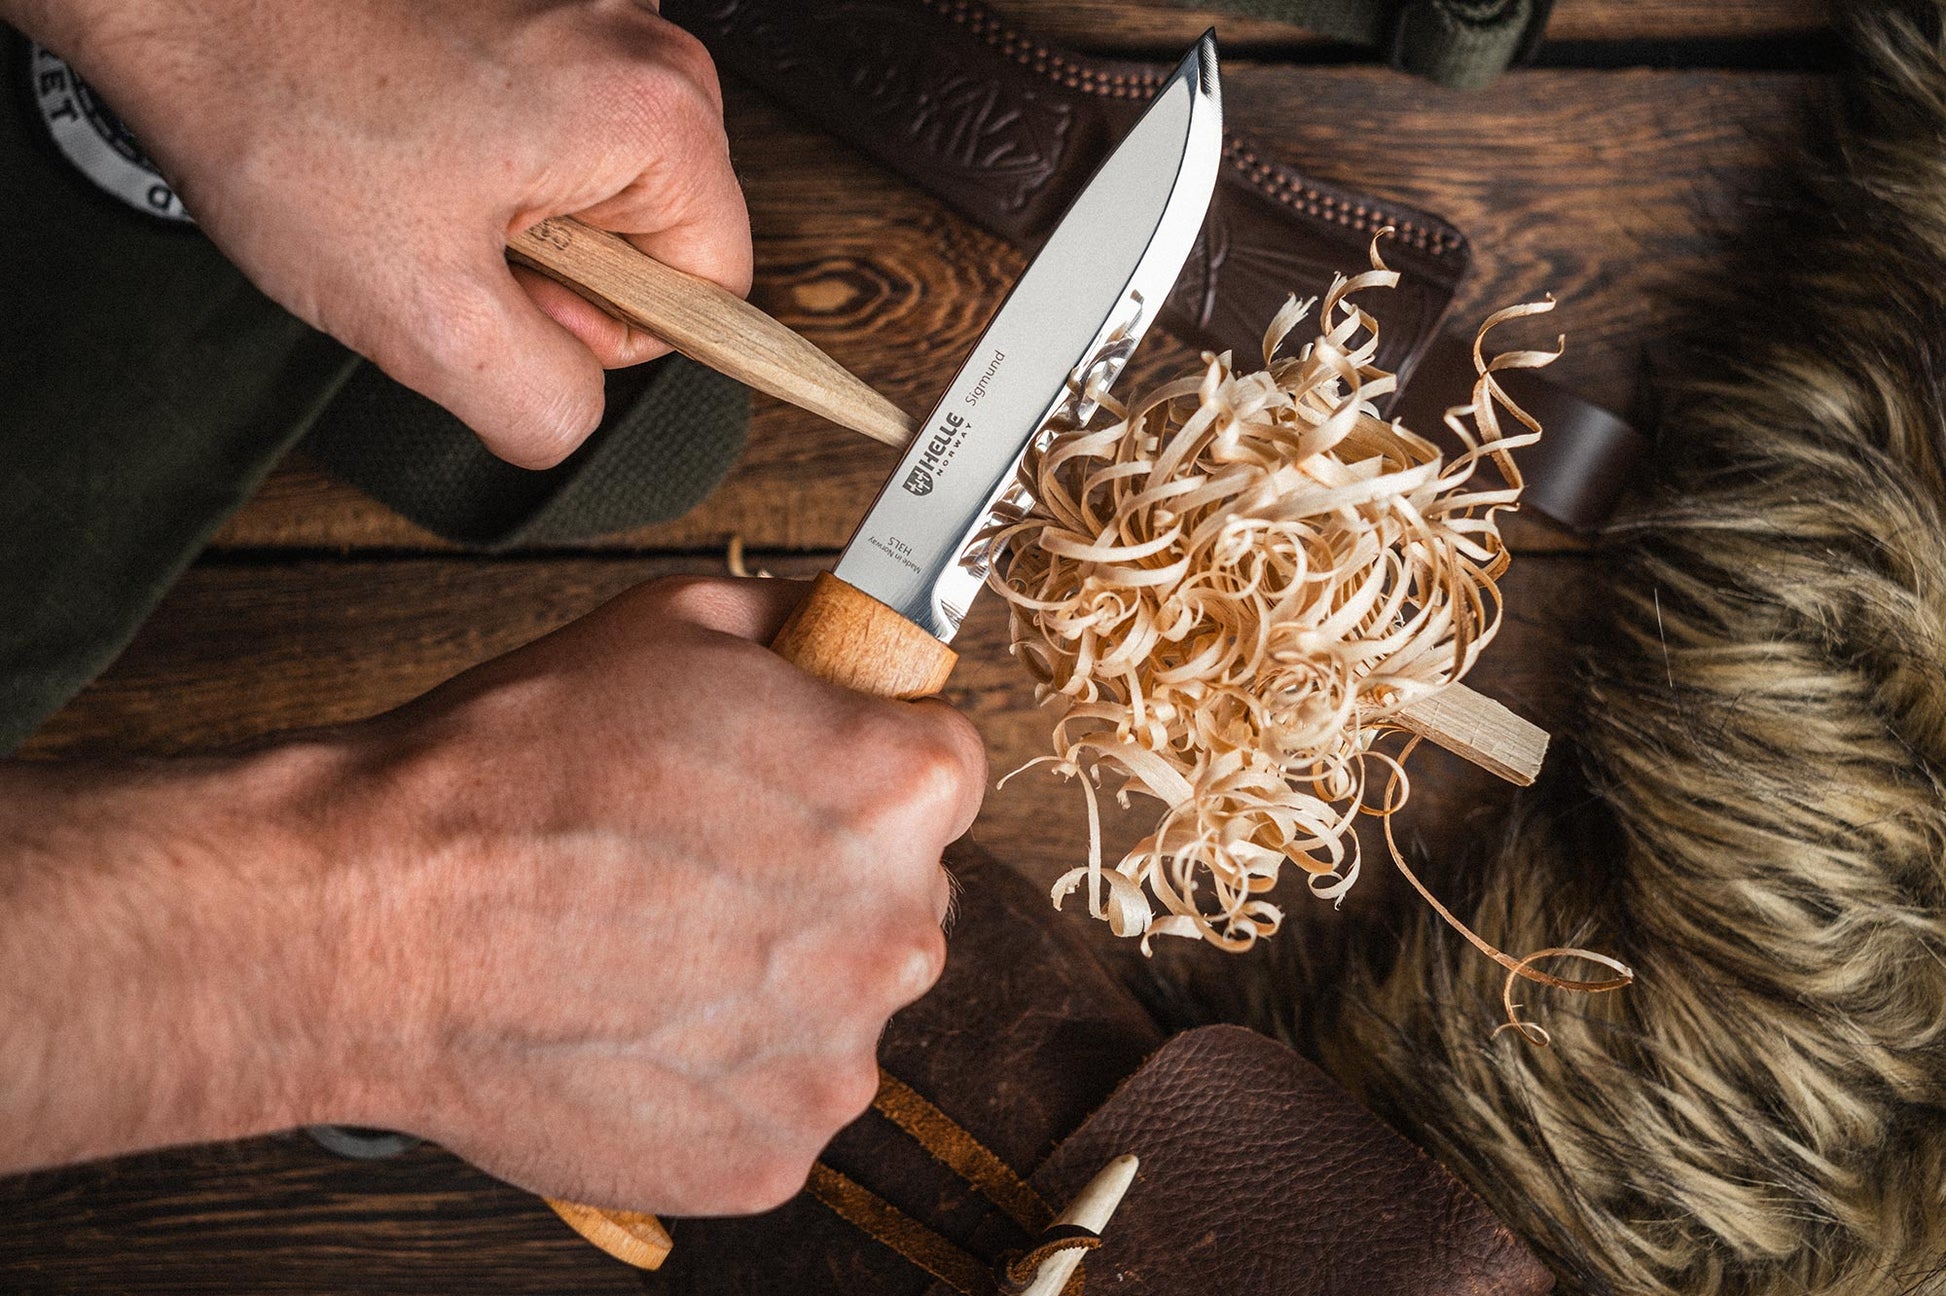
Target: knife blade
x=881 y=622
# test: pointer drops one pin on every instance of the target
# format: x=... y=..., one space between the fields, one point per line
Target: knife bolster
x=842 y=634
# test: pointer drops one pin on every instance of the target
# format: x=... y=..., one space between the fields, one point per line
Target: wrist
x=163 y=971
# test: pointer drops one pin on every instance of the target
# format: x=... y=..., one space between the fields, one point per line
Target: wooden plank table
x=1599 y=183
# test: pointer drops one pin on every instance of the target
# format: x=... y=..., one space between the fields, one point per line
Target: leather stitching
x=1271 y=179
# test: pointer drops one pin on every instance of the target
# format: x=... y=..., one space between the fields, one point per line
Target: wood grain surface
x=1112 y=26
x=242 y=649
x=281 y=1216
x=1600 y=187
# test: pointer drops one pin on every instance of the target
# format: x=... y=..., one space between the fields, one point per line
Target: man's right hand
x=619 y=917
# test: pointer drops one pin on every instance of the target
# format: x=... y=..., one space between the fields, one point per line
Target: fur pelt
x=1760 y=829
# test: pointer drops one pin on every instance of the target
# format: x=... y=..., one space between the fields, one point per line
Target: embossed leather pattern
x=1005 y=129
x=1260 y=1175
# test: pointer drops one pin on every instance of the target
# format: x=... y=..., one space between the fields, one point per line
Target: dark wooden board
x=1118 y=26
x=282 y=1215
x=1600 y=187
x=241 y=650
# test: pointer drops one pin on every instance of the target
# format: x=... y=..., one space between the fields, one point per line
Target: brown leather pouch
x=1259 y=1175
x=1005 y=129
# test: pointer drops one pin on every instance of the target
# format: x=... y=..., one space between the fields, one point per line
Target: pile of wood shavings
x=1235 y=588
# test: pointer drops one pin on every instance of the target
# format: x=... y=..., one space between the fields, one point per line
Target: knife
x=882 y=622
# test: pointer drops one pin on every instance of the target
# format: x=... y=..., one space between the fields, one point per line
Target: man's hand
x=364 y=161
x=619 y=917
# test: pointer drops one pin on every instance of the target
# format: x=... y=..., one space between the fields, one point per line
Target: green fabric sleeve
x=145 y=391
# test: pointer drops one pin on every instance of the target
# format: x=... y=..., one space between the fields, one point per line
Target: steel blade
x=1064 y=331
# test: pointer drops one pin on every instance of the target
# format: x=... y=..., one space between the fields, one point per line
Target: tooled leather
x=1260 y=1175
x=1006 y=129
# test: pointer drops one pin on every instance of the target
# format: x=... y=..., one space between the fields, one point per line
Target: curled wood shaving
x=1234 y=587
x=733 y=559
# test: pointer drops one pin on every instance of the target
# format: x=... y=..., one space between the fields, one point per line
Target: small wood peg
x=707 y=324
x=1091 y=1209
x=1478 y=728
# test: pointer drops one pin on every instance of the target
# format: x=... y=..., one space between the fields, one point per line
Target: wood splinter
x=1091 y=1209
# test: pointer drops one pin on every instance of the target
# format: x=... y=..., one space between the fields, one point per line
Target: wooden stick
x=707 y=324
x=1476 y=727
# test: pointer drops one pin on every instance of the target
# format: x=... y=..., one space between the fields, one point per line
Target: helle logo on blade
x=937 y=453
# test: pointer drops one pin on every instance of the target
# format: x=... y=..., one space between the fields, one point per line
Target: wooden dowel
x=1091 y=1209
x=706 y=323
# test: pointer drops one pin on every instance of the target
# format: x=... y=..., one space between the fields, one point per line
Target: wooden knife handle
x=629 y=1236
x=706 y=323
x=842 y=634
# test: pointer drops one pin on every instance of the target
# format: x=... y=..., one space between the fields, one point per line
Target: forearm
x=161 y=972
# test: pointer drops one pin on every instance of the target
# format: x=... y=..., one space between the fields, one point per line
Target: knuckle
x=935 y=773
x=901 y=963
x=769 y=1182
x=836 y=1094
x=691 y=61
x=921 y=962
x=671 y=102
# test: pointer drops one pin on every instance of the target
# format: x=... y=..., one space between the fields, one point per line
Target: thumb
x=529 y=390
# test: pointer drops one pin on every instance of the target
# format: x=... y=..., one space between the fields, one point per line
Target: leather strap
x=1005 y=129
x=948 y=1143
x=1574 y=474
x=859 y=1206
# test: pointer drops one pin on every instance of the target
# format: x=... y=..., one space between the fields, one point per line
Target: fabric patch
x=91 y=137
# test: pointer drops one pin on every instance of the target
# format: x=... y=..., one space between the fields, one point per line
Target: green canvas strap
x=672 y=431
x=1460 y=43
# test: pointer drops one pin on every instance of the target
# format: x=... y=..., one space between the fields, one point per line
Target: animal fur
x=1764 y=733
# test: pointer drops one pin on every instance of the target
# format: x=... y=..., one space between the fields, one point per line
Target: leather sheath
x=1006 y=129
x=1259 y=1176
